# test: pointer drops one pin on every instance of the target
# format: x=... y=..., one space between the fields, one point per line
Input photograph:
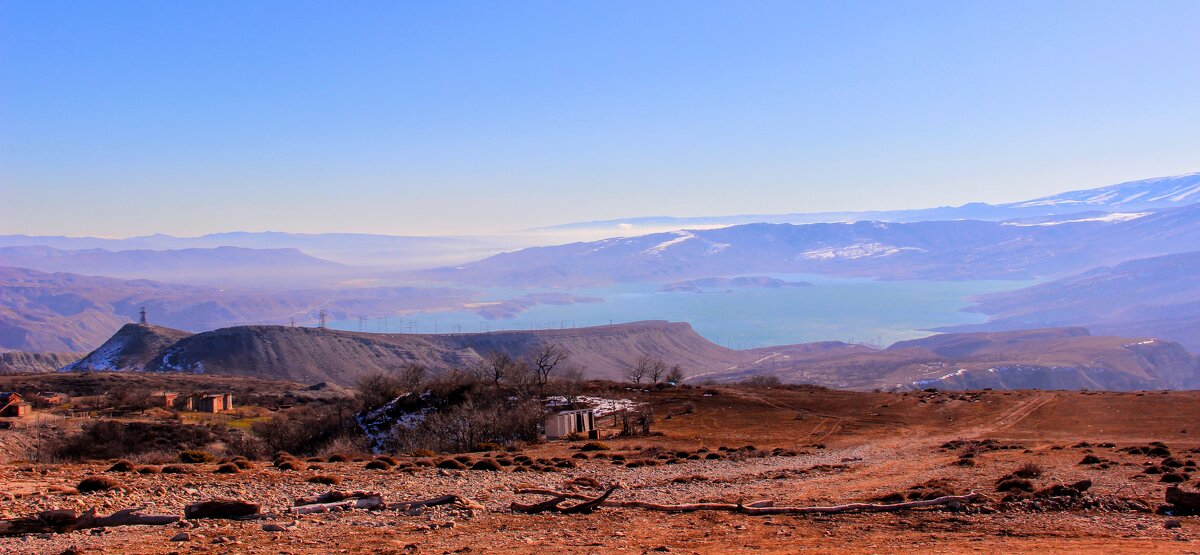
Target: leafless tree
x=544 y=360
x=571 y=383
x=636 y=373
x=498 y=365
x=675 y=375
x=656 y=370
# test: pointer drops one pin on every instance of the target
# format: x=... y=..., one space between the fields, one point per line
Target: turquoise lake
x=853 y=310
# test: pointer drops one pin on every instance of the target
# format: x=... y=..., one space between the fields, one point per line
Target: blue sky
x=121 y=118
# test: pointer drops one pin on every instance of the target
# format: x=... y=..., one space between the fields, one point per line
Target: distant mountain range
x=1050 y=359
x=68 y=312
x=937 y=250
x=376 y=251
x=1155 y=297
x=1146 y=194
x=219 y=266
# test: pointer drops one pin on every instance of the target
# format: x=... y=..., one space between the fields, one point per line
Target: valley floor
x=831 y=447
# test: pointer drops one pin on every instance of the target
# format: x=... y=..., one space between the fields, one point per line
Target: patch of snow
x=860 y=250
x=716 y=248
x=1109 y=218
x=658 y=249
x=103 y=359
x=601 y=405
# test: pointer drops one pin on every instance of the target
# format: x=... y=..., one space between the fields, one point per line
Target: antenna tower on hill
x=142 y=314
x=322 y=317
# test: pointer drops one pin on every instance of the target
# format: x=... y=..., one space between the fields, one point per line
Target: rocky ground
x=811 y=449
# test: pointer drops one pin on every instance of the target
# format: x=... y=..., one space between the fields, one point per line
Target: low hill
x=323 y=355
x=19 y=362
x=1068 y=358
x=1155 y=297
x=131 y=348
x=1037 y=359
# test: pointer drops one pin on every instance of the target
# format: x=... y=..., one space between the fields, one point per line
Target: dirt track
x=874 y=445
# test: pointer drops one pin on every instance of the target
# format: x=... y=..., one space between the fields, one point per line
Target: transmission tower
x=142 y=314
x=322 y=317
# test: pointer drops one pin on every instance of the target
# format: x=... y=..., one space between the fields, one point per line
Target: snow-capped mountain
x=1158 y=192
x=955 y=249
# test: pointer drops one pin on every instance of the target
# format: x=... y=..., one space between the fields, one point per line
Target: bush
x=423 y=453
x=339 y=458
x=110 y=439
x=195 y=456
x=594 y=446
x=228 y=468
x=123 y=465
x=1028 y=470
x=149 y=470
x=487 y=464
x=176 y=469
x=327 y=479
x=487 y=446
x=291 y=464
x=97 y=483
x=1014 y=484
x=378 y=465
x=451 y=464
x=306 y=429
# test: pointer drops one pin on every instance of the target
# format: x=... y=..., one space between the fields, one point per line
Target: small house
x=214 y=403
x=49 y=398
x=13 y=406
x=164 y=399
x=565 y=423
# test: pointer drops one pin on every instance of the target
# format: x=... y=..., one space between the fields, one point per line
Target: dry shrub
x=123 y=465
x=1028 y=470
x=486 y=446
x=228 y=468
x=327 y=479
x=487 y=464
x=425 y=453
x=451 y=464
x=149 y=470
x=378 y=465
x=338 y=458
x=594 y=446
x=1090 y=459
x=176 y=469
x=195 y=456
x=97 y=483
x=290 y=464
x=390 y=460
x=1014 y=484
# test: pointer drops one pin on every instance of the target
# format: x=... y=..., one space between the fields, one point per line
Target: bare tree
x=571 y=381
x=412 y=375
x=498 y=365
x=675 y=375
x=544 y=360
x=656 y=370
x=640 y=371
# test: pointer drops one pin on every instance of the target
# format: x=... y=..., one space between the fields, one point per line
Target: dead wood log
x=59 y=521
x=1184 y=501
x=763 y=507
x=443 y=500
x=590 y=505
x=535 y=508
x=222 y=508
x=369 y=503
x=333 y=497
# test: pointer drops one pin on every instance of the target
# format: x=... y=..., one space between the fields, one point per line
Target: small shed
x=216 y=402
x=13 y=406
x=565 y=423
x=164 y=399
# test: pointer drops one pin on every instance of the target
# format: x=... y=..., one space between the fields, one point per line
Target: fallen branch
x=369 y=503
x=758 y=507
x=60 y=521
x=443 y=500
x=587 y=507
x=332 y=497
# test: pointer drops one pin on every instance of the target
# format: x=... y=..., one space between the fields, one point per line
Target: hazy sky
x=120 y=118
